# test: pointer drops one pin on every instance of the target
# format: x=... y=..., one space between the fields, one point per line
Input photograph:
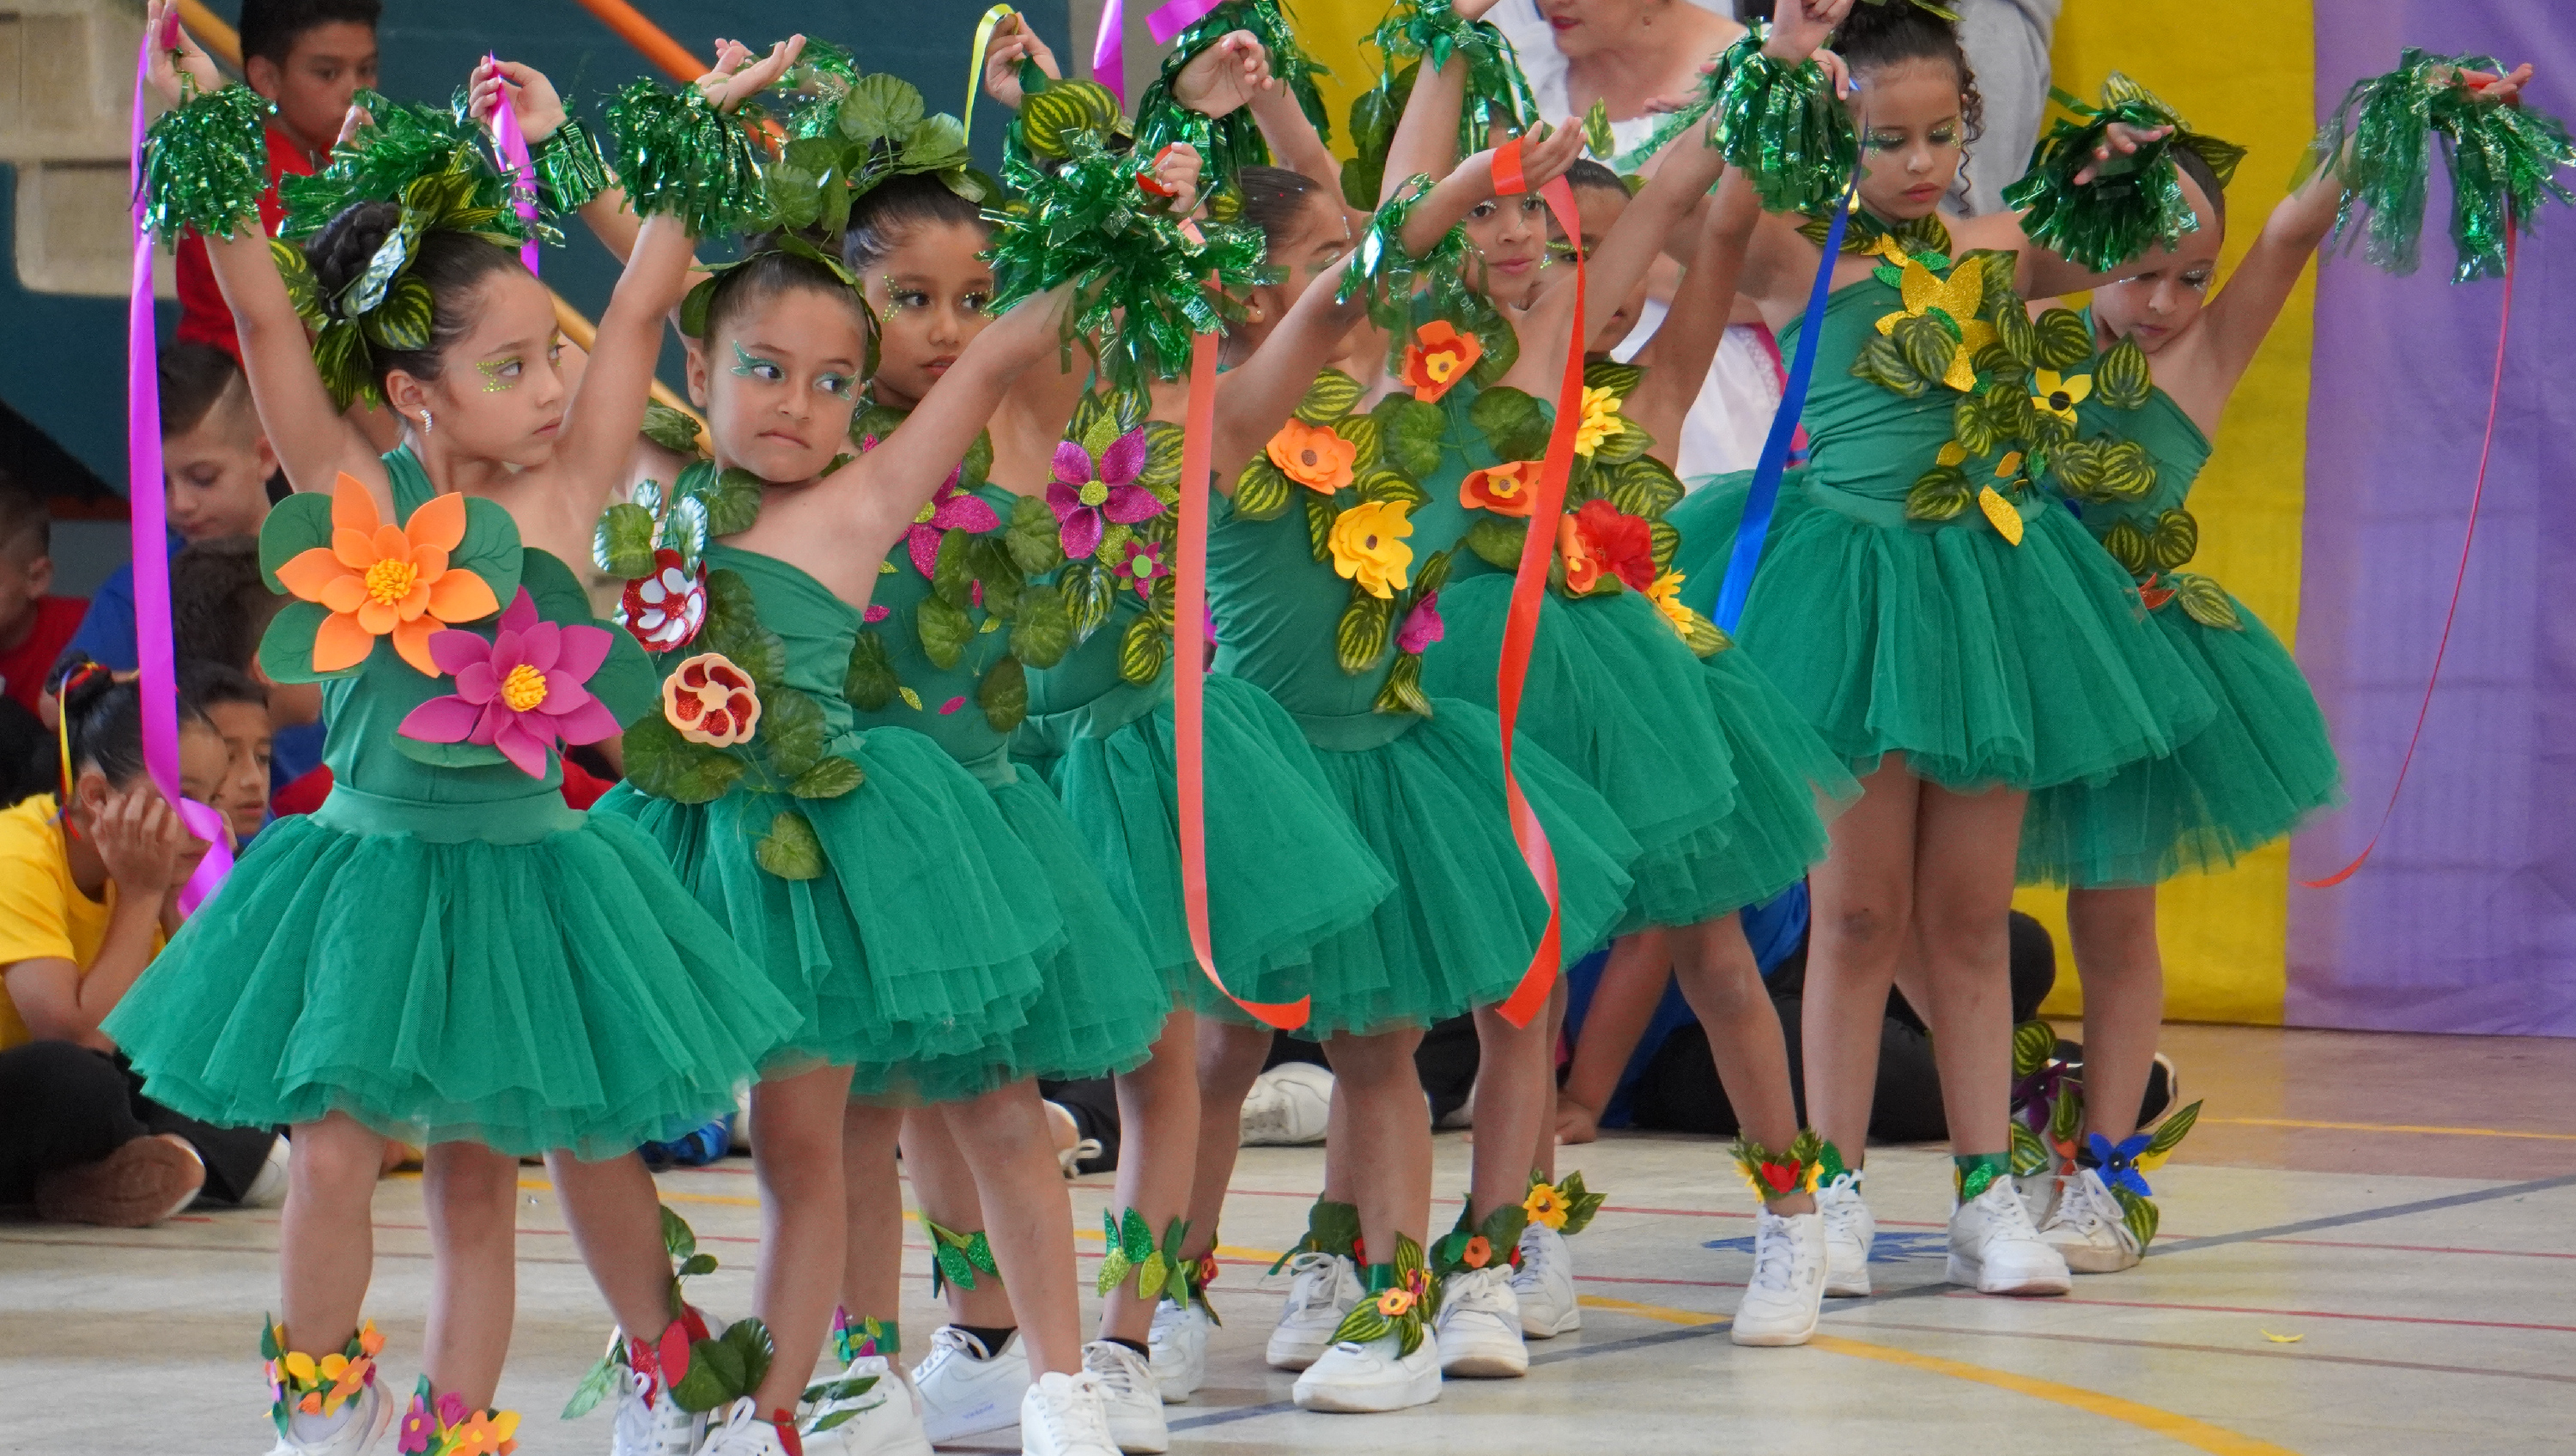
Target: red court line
x=2394 y=1319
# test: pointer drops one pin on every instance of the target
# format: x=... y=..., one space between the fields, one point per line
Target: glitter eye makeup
x=895 y=295
x=747 y=365
x=494 y=380
x=839 y=386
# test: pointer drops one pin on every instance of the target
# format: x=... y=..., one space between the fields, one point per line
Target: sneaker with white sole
x=2038 y=1196
x=2088 y=1228
x=1128 y=1398
x=351 y=1431
x=1178 y=1346
x=1787 y=1290
x=1544 y=1285
x=966 y=1389
x=651 y=1423
x=1365 y=1379
x=1849 y=1232
x=1994 y=1248
x=884 y=1420
x=744 y=1432
x=1479 y=1325
x=1288 y=1106
x=1321 y=1289
x=1065 y=1415
x=268 y=1187
x=143 y=1181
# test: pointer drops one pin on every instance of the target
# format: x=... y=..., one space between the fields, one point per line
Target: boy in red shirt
x=310 y=57
x=33 y=626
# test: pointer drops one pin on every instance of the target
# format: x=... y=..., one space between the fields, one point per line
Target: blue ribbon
x=1765 y=493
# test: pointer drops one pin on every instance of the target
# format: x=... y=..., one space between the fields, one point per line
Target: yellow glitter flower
x=2059 y=396
x=1958 y=297
x=1600 y=418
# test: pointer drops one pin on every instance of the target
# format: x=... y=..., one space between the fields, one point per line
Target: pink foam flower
x=521 y=692
x=950 y=509
x=1087 y=493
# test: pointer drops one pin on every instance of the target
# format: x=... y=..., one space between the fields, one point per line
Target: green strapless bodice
x=948 y=710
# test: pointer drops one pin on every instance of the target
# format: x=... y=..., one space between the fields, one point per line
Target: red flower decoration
x=1602 y=538
x=664 y=611
x=1437 y=359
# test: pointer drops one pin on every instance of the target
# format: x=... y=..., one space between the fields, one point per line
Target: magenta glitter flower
x=520 y=692
x=949 y=510
x=1147 y=562
x=1422 y=626
x=1087 y=493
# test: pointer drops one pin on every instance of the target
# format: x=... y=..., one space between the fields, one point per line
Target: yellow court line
x=2199 y=1435
x=2493 y=1132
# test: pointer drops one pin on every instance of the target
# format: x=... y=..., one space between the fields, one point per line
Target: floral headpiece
x=850 y=132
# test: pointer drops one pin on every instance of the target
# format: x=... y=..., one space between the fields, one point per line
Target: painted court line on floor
x=2248 y=1351
x=2390 y=1319
x=2491 y=1132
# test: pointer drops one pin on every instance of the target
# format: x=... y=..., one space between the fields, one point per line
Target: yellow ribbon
x=984 y=29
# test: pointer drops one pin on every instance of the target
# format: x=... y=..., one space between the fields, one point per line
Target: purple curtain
x=2465 y=918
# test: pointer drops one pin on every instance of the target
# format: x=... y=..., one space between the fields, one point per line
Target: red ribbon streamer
x=2459 y=582
x=1189 y=669
x=1529 y=583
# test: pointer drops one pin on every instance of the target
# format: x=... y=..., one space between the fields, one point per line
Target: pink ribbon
x=1170 y=20
x=153 y=652
x=513 y=146
x=1109 y=50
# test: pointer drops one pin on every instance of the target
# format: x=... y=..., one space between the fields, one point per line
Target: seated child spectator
x=311 y=57
x=232 y=714
x=33 y=626
x=88 y=893
x=219 y=606
x=216 y=465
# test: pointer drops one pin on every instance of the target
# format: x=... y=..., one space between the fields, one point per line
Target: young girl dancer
x=1946 y=627
x=443 y=952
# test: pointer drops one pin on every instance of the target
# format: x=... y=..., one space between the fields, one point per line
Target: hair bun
x=79 y=684
x=348 y=243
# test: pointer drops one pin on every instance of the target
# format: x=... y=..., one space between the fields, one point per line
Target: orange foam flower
x=1478 y=1253
x=1313 y=456
x=1507 y=490
x=381 y=580
x=1437 y=359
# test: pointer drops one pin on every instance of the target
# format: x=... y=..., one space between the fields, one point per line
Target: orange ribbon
x=1529 y=584
x=1189 y=671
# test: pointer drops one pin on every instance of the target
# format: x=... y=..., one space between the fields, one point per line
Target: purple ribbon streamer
x=154 y=654
x=512 y=143
x=1109 y=49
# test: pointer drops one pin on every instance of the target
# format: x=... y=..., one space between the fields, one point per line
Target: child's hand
x=532 y=98
x=1472 y=10
x=1225 y=76
x=1799 y=27
x=2119 y=139
x=1575 y=1123
x=140 y=837
x=1176 y=176
x=1034 y=325
x=176 y=53
x=737 y=78
x=1548 y=153
x=1014 y=42
x=2505 y=90
x=350 y=126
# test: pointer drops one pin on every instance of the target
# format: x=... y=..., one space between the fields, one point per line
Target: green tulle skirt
x=1100 y=1003
x=1613 y=695
x=921 y=938
x=2264 y=764
x=560 y=993
x=1984 y=663
x=1465 y=917
x=1788 y=784
x=1267 y=807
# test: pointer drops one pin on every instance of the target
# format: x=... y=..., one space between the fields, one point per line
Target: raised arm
x=541 y=115
x=1679 y=355
x=1426 y=136
x=314 y=442
x=1253 y=398
x=1545 y=156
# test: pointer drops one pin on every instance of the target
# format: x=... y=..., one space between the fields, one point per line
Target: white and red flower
x=664 y=611
x=711 y=701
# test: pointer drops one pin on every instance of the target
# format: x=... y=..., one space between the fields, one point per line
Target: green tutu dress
x=1419 y=777
x=2264 y=763
x=445 y=950
x=942 y=652
x=1717 y=781
x=908 y=943
x=1893 y=610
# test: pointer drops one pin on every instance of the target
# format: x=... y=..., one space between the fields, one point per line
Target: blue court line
x=1937 y=1287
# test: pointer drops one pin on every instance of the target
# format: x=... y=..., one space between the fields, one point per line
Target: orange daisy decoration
x=1506 y=490
x=381 y=580
x=1437 y=359
x=1313 y=456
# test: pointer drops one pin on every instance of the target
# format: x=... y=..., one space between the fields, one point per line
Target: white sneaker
x=352 y=1431
x=1288 y=1106
x=1065 y=1415
x=744 y=1433
x=1479 y=1325
x=1322 y=1288
x=268 y=1189
x=1128 y=1398
x=1179 y=1344
x=2088 y=1228
x=2038 y=1197
x=887 y=1419
x=1362 y=1379
x=1993 y=1247
x=1544 y=1285
x=965 y=1389
x=654 y=1427
x=1849 y=1231
x=1787 y=1290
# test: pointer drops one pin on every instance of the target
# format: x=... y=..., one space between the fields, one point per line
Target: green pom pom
x=2131 y=201
x=1780 y=123
x=679 y=155
x=570 y=171
x=206 y=164
x=1232 y=142
x=1416 y=31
